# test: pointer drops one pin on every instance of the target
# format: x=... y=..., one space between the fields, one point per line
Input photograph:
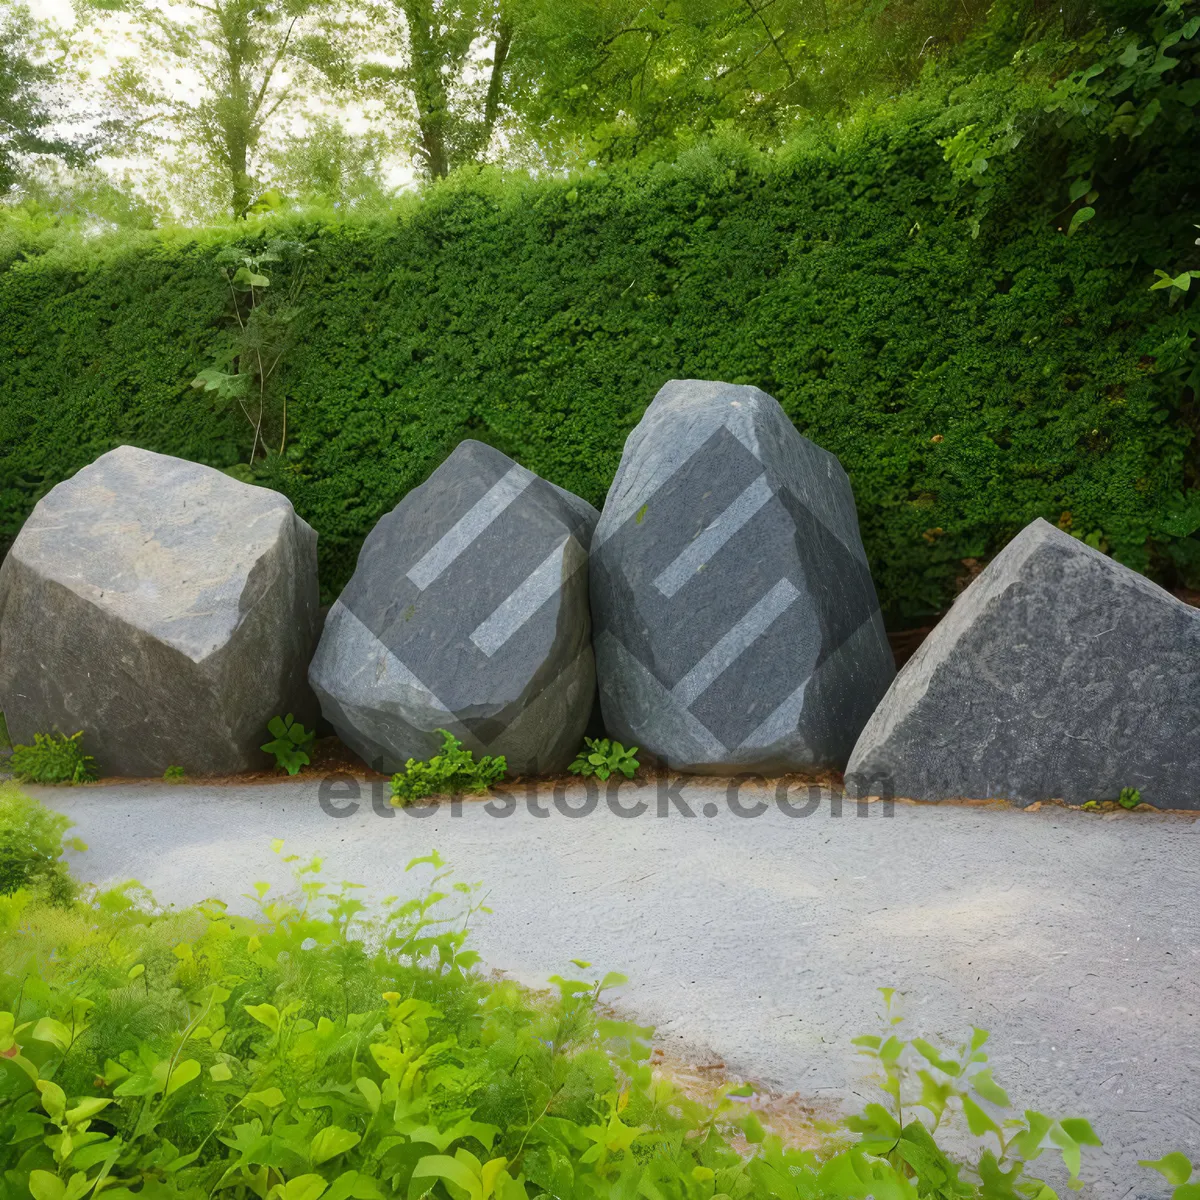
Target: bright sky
x=398 y=170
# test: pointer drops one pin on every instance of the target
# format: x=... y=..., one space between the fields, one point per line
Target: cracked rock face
x=164 y=609
x=1058 y=674
x=736 y=624
x=468 y=611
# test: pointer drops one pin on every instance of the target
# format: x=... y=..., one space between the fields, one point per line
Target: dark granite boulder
x=164 y=609
x=1058 y=674
x=736 y=625
x=468 y=611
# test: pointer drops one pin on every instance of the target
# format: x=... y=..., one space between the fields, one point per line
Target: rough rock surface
x=468 y=611
x=163 y=608
x=737 y=627
x=1058 y=674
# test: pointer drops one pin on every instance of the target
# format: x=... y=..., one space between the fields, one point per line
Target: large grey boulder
x=737 y=628
x=468 y=611
x=164 y=609
x=1058 y=674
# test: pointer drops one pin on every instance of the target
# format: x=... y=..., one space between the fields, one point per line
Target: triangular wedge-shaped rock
x=468 y=611
x=737 y=627
x=1058 y=674
x=164 y=609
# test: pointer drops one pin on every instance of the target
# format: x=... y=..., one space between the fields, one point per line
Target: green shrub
x=968 y=384
x=173 y=774
x=320 y=1051
x=31 y=845
x=454 y=770
x=53 y=759
x=601 y=758
x=289 y=744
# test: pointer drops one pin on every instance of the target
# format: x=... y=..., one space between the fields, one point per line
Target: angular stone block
x=736 y=624
x=468 y=611
x=163 y=608
x=1058 y=674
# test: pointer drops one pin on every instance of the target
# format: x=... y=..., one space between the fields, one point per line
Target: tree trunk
x=491 y=108
x=429 y=86
x=243 y=185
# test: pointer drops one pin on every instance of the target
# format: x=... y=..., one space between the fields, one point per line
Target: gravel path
x=1073 y=937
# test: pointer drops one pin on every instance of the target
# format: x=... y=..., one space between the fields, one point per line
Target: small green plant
x=916 y=1075
x=1177 y=1170
x=601 y=758
x=171 y=774
x=53 y=759
x=248 y=354
x=454 y=770
x=290 y=744
x=31 y=845
x=1129 y=798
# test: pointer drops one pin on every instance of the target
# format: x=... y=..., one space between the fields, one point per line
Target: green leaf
x=86 y=1109
x=264 y=1014
x=54 y=1099
x=249 y=279
x=269 y=1098
x=1069 y=1148
x=1175 y=1168
x=1081 y=1131
x=946 y=1065
x=1079 y=188
x=141 y=1084
x=52 y=1031
x=989 y=1089
x=441 y=1166
x=978 y=1122
x=330 y=1142
x=46 y=1186
x=751 y=1128
x=304 y=1187
x=1130 y=54
x=183 y=1073
x=1082 y=215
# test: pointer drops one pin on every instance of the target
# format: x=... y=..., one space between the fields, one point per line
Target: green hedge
x=967 y=384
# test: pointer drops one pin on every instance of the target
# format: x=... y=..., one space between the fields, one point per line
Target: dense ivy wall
x=967 y=384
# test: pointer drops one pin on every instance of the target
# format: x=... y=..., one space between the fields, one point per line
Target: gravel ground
x=761 y=942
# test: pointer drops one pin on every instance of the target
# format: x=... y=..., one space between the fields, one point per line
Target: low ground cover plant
x=451 y=772
x=53 y=758
x=321 y=1050
x=289 y=744
x=31 y=847
x=601 y=757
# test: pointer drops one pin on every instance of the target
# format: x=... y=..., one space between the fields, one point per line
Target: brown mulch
x=904 y=642
x=802 y=1123
x=329 y=755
